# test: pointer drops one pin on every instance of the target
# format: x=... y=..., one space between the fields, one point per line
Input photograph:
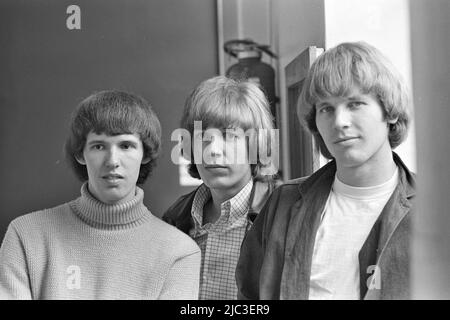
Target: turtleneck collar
x=111 y=216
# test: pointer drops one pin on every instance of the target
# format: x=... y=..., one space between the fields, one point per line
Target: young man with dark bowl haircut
x=105 y=244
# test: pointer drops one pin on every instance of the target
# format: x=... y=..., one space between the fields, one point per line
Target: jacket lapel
x=301 y=233
x=393 y=214
x=395 y=210
x=261 y=191
x=184 y=221
x=398 y=204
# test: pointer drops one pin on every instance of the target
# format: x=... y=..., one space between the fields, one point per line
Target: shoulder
x=290 y=189
x=33 y=229
x=282 y=199
x=172 y=239
x=40 y=218
x=178 y=207
x=295 y=182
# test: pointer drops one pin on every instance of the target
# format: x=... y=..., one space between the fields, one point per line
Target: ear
x=145 y=160
x=80 y=159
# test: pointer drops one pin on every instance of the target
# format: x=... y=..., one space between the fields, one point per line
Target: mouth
x=112 y=177
x=214 y=166
x=344 y=139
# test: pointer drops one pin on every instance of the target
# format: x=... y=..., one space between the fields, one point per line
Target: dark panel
x=159 y=49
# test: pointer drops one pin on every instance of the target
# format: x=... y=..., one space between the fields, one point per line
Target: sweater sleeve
x=182 y=282
x=14 y=279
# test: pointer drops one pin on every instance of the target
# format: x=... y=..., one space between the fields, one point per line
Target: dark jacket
x=275 y=259
x=179 y=214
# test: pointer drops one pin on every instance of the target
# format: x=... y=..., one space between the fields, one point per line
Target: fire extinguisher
x=250 y=66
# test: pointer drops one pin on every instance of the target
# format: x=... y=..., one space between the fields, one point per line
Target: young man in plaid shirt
x=219 y=212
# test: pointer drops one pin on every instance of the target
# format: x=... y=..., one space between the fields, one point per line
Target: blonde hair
x=339 y=70
x=223 y=103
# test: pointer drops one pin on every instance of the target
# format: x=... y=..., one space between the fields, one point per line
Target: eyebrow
x=355 y=98
x=95 y=142
x=322 y=103
x=104 y=142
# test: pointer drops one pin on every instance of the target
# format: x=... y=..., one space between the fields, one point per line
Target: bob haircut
x=356 y=65
x=223 y=103
x=113 y=113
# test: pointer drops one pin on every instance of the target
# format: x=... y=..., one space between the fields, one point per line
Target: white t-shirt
x=348 y=217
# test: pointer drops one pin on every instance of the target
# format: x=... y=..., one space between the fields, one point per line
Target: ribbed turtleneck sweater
x=86 y=249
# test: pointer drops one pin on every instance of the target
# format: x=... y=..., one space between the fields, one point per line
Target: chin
x=353 y=159
x=113 y=200
x=219 y=183
x=113 y=197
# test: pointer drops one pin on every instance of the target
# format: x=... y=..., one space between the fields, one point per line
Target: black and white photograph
x=212 y=152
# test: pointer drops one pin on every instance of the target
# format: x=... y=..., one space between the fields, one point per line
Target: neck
x=372 y=172
x=116 y=216
x=211 y=210
x=219 y=196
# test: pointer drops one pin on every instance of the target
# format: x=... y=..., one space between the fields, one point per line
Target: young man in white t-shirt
x=343 y=232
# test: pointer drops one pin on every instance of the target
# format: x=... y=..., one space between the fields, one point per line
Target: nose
x=342 y=117
x=112 y=158
x=216 y=146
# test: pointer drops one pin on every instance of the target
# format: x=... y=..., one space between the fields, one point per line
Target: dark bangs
x=114 y=114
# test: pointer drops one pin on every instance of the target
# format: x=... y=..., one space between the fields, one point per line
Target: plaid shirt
x=220 y=242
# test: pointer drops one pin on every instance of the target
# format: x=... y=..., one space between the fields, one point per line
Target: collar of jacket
x=262 y=189
x=305 y=220
x=260 y=192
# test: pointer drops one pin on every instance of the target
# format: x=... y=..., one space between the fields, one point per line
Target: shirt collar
x=231 y=210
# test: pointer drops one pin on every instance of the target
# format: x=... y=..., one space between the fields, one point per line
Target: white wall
x=384 y=24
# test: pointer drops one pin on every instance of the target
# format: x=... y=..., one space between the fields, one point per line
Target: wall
x=384 y=24
x=289 y=27
x=246 y=19
x=159 y=49
x=297 y=24
x=430 y=57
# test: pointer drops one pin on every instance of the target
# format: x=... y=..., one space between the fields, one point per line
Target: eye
x=97 y=147
x=229 y=135
x=126 y=145
x=355 y=104
x=325 y=109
